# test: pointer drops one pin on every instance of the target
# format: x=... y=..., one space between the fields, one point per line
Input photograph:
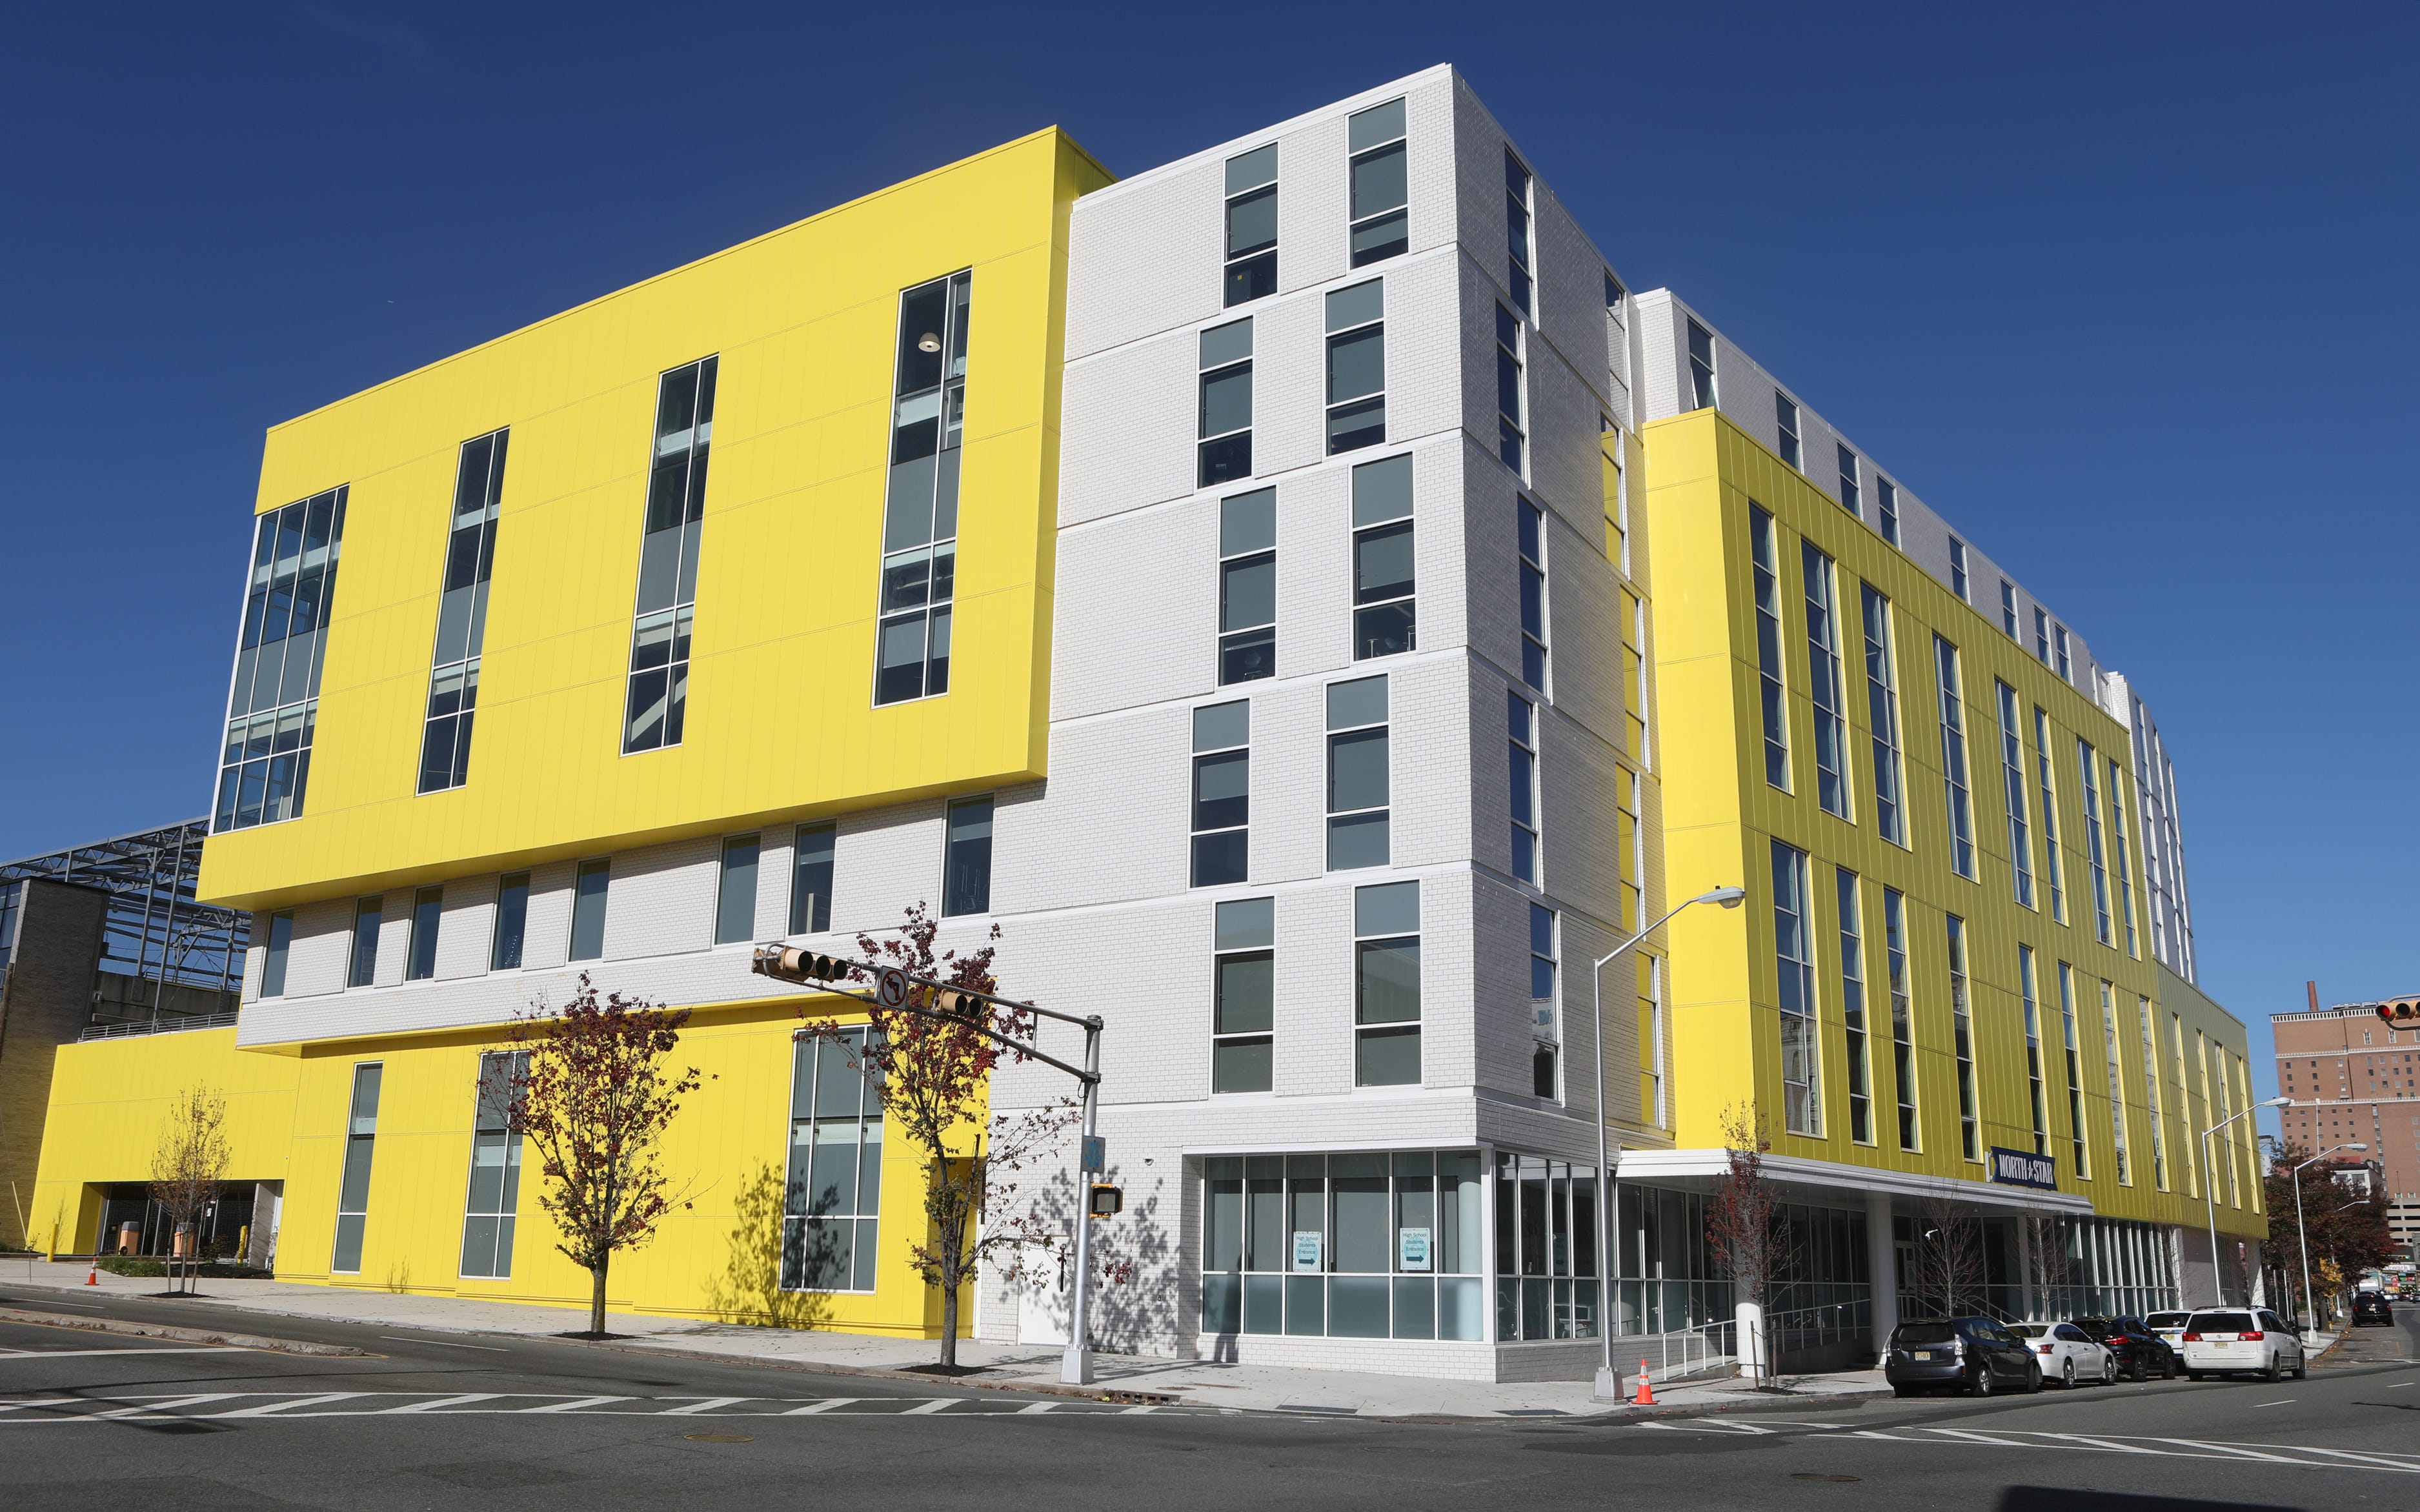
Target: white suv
x=2251 y=1340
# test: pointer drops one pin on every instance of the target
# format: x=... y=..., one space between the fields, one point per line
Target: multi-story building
x=2354 y=1076
x=1371 y=617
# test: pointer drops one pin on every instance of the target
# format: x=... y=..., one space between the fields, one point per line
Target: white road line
x=444 y=1344
x=2400 y=1384
x=268 y=1407
x=1136 y=1411
x=446 y=1401
x=1721 y=1425
x=1982 y=1438
x=2110 y=1445
x=936 y=1405
x=2389 y=1460
x=709 y=1405
x=824 y=1406
x=1030 y=1408
x=575 y=1403
x=171 y=1401
x=2279 y=1402
x=2232 y=1450
x=88 y=1354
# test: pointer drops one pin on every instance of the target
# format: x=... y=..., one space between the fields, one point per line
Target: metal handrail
x=180 y=1024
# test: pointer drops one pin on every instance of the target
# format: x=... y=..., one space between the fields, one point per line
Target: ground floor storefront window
x=1367 y=1245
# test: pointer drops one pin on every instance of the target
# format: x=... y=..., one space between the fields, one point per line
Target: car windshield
x=2166 y=1319
x=1922 y=1333
x=2222 y=1323
x=2029 y=1331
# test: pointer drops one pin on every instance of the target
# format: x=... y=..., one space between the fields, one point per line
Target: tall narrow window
x=353 y=1191
x=1785 y=418
x=2009 y=606
x=495 y=1196
x=2042 y=635
x=1252 y=225
x=657 y=708
x=462 y=614
x=2092 y=852
x=1385 y=617
x=273 y=959
x=735 y=900
x=1543 y=1080
x=1958 y=569
x=1795 y=965
x=2079 y=1136
x=966 y=872
x=1387 y=985
x=1630 y=842
x=2066 y=667
x=1953 y=760
x=1650 y=1042
x=1248 y=586
x=1881 y=714
x=1887 y=507
x=1521 y=758
x=588 y=910
x=1224 y=420
x=1531 y=533
x=274 y=705
x=1356 y=367
x=368 y=914
x=1852 y=1005
x=1522 y=258
x=2012 y=786
x=1223 y=793
x=834 y=1197
x=1902 y=1019
x=1765 y=569
x=1849 y=493
x=2151 y=1101
x=1824 y=684
x=2035 y=1103
x=1633 y=673
x=2110 y=1051
x=1702 y=367
x=1379 y=183
x=420 y=956
x=2054 y=868
x=512 y=921
x=1510 y=427
x=1358 y=781
x=811 y=885
x=2118 y=853
x=1961 y=1026
x=919 y=510
x=1242 y=995
x=2184 y=1104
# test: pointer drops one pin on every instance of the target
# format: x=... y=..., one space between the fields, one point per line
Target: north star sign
x=2017 y=1168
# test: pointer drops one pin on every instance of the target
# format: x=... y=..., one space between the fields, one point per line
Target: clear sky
x=2125 y=291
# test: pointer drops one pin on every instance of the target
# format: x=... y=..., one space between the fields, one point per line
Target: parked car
x=2372 y=1308
x=2141 y=1353
x=2170 y=1327
x=1969 y=1355
x=2240 y=1340
x=2065 y=1353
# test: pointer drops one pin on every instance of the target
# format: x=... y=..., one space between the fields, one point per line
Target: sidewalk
x=1021 y=1367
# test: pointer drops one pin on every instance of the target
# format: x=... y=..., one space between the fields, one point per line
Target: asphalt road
x=90 y=1419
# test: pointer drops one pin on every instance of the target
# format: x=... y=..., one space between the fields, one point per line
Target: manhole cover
x=743 y=1438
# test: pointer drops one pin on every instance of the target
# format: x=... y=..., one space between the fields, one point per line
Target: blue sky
x=2127 y=292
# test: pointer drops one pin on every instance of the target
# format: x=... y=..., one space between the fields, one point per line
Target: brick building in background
x=2355 y=1079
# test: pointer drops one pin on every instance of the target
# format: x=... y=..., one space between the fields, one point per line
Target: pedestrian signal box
x=1108 y=1201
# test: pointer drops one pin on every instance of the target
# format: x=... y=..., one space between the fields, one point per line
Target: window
x=1785 y=416
x=2093 y=853
x=919 y=510
x=1764 y=569
x=1532 y=534
x=1617 y=503
x=1384 y=619
x=2034 y=1101
x=1795 y=966
x=2042 y=635
x=1521 y=758
x=462 y=614
x=657 y=708
x=2110 y=1053
x=1356 y=367
x=1545 y=1232
x=1958 y=569
x=1650 y=1042
x=2009 y=606
x=1222 y=784
x=966 y=879
x=1902 y=1021
x=2151 y=1093
x=512 y=921
x=2118 y=850
x=1633 y=858
x=1824 y=682
x=1633 y=673
x=1962 y=1023
x=1226 y=411
x=1357 y=823
x=1848 y=499
x=1523 y=263
x=273 y=706
x=1702 y=367
x=2066 y=669
x=420 y=958
x=1252 y=225
x=368 y=913
x=1248 y=586
x=2012 y=786
x=1542 y=1080
x=353 y=1192
x=495 y=1194
x=2053 y=869
x=1510 y=430
x=1243 y=991
x=1887 y=507
x=734 y=900
x=1379 y=181
x=1852 y=1005
x=2077 y=1134
x=272 y=960
x=1953 y=760
x=1882 y=713
x=1387 y=985
x=835 y=1191
x=811 y=882
x=588 y=910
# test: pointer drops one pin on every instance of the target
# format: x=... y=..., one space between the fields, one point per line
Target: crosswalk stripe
x=825 y=1406
x=936 y=1405
x=1030 y=1408
x=172 y=1402
x=89 y=1354
x=2111 y=1444
x=710 y=1405
x=266 y=1409
x=577 y=1403
x=1983 y=1437
x=446 y=1401
x=2230 y=1450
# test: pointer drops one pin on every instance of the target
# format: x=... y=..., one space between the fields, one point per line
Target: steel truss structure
x=154 y=931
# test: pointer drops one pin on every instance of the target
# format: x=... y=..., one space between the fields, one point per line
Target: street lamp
x=2301 y=1237
x=1608 y=1381
x=2209 y=1189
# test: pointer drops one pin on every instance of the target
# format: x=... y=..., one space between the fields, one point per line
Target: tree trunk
x=948 y=1319
x=597 y=1298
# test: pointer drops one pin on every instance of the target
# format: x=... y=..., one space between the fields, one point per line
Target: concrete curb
x=180 y=1335
x=823 y=1367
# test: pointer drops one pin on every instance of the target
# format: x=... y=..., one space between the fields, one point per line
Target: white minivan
x=2246 y=1340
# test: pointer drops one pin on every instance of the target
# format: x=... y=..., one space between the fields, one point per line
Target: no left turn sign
x=891 y=988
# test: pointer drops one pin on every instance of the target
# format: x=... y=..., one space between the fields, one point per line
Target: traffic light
x=960 y=1004
x=2400 y=1013
x=1108 y=1201
x=791 y=964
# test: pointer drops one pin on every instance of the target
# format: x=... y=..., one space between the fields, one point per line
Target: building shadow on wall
x=748 y=1288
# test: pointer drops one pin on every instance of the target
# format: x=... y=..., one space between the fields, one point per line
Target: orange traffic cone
x=1646 y=1396
x=92 y=1277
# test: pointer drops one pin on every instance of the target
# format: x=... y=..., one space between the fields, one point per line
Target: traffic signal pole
x=1076 y=1365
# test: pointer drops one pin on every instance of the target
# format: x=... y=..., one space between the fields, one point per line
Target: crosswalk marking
x=2305 y=1457
x=439 y=1402
x=827 y=1405
x=275 y=1406
x=265 y=1408
x=936 y=1405
x=577 y=1403
x=89 y=1354
x=708 y=1405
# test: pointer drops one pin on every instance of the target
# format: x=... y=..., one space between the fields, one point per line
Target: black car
x=1966 y=1354
x=2370 y=1308
x=2141 y=1354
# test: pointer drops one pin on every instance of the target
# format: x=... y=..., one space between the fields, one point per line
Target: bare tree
x=190 y=1161
x=1743 y=1224
x=2048 y=1271
x=1947 y=1268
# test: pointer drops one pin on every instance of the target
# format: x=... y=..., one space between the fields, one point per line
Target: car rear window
x=1923 y=1334
x=2166 y=1319
x=2223 y=1323
x=2029 y=1331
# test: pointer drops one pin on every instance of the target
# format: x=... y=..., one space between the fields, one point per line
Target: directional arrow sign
x=891 y=988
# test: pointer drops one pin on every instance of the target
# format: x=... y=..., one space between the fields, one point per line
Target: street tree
x=190 y=1162
x=1745 y=1227
x=2048 y=1268
x=2347 y=1225
x=1945 y=1267
x=594 y=1099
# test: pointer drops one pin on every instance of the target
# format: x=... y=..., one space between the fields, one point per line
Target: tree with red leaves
x=934 y=1075
x=1743 y=1223
x=594 y=1102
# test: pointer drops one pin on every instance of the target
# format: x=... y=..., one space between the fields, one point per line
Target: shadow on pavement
x=2063 y=1499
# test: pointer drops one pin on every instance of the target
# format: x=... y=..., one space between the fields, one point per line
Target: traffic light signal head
x=791 y=964
x=2400 y=1013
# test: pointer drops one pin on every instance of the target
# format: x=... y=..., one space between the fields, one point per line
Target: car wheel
x=2168 y=1371
x=1986 y=1383
x=2067 y=1374
x=2302 y=1369
x=2271 y=1373
x=2138 y=1370
x=2194 y=1375
x=2032 y=1378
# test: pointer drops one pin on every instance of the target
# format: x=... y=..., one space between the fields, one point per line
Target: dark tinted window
x=2168 y=1319
x=2222 y=1323
x=1908 y=1333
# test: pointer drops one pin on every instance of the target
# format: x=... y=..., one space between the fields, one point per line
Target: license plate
x=1924 y=1354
